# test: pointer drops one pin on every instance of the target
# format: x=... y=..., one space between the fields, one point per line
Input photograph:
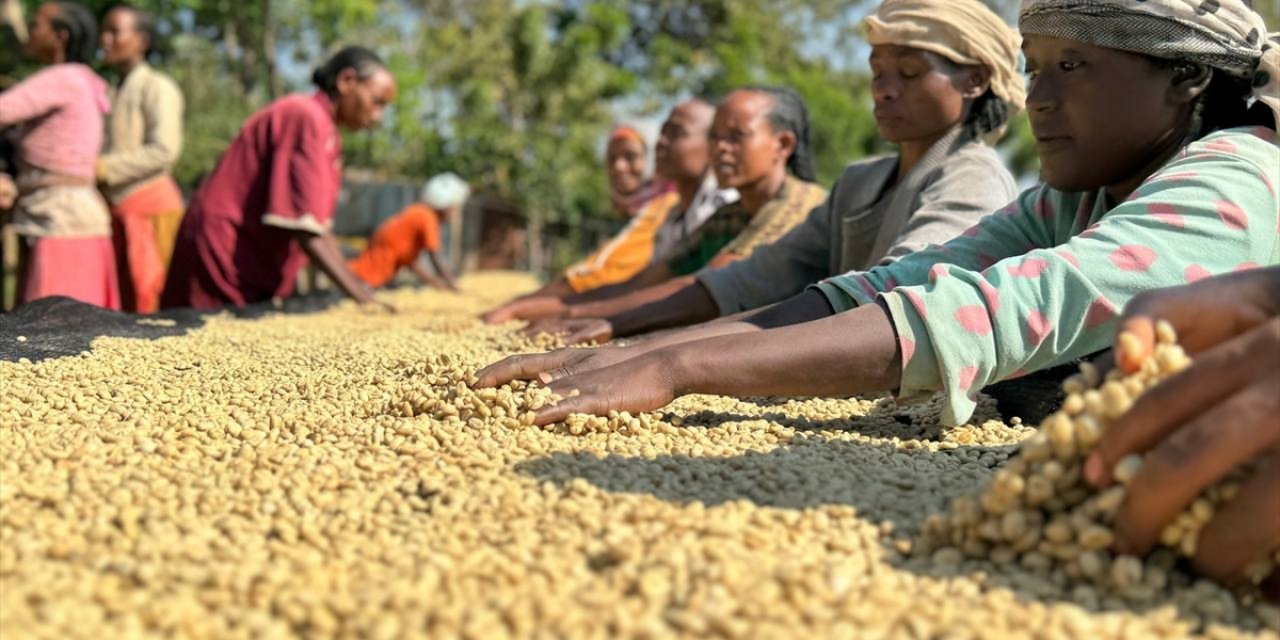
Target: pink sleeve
x=303 y=190
x=35 y=96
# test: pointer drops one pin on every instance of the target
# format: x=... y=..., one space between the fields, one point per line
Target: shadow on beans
x=902 y=426
x=881 y=481
x=58 y=327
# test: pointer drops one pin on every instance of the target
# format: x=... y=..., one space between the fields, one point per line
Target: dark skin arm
x=539 y=305
x=558 y=288
x=546 y=302
x=840 y=355
x=562 y=363
x=678 y=302
x=688 y=304
x=445 y=279
x=629 y=301
x=1201 y=424
x=324 y=253
x=429 y=279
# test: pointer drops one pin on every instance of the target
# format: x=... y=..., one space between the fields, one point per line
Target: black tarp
x=57 y=327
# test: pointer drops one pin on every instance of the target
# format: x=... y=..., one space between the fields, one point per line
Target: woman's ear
x=786 y=144
x=1190 y=80
x=347 y=80
x=977 y=81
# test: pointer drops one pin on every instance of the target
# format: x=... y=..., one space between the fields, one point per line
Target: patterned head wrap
x=1227 y=35
x=962 y=31
x=625 y=132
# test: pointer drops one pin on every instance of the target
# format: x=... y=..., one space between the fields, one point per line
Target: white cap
x=444 y=191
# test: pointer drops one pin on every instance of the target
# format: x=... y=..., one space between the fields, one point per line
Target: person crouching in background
x=399 y=241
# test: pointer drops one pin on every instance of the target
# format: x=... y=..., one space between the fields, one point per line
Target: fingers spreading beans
x=1039 y=512
x=340 y=474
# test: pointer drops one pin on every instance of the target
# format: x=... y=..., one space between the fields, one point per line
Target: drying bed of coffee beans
x=334 y=474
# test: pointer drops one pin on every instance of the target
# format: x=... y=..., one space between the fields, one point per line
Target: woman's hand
x=385 y=307
x=527 y=309
x=575 y=331
x=8 y=192
x=554 y=365
x=644 y=383
x=1217 y=416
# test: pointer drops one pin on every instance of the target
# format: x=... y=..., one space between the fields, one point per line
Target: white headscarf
x=445 y=191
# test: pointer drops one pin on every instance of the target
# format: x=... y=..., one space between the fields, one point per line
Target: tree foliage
x=517 y=95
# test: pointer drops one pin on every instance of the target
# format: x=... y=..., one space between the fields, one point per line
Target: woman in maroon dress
x=267 y=206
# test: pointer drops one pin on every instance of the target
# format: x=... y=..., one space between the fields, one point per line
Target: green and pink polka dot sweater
x=1041 y=282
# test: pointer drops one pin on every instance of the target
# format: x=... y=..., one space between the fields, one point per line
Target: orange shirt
x=398 y=243
x=628 y=252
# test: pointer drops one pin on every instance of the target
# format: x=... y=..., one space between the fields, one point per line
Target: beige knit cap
x=962 y=31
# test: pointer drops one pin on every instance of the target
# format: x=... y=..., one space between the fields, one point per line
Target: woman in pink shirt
x=56 y=114
x=267 y=207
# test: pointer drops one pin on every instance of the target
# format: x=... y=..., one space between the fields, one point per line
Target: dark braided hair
x=81 y=29
x=143 y=21
x=1224 y=103
x=789 y=113
x=365 y=62
x=988 y=113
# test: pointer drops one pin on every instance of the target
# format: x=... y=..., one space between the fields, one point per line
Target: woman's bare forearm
x=806 y=307
x=323 y=251
x=840 y=355
x=628 y=302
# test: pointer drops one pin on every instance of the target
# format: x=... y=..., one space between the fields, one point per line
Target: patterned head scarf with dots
x=1227 y=35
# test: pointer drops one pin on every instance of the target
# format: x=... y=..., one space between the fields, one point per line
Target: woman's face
x=44 y=43
x=122 y=43
x=744 y=146
x=624 y=159
x=360 y=103
x=916 y=97
x=1100 y=116
x=681 y=152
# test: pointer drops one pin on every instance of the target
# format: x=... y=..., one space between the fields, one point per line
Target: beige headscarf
x=1227 y=35
x=962 y=31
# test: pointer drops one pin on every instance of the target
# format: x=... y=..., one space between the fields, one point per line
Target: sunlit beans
x=337 y=474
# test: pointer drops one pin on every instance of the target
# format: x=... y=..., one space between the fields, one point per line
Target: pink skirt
x=79 y=268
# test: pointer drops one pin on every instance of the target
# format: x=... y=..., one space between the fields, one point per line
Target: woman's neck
x=754 y=196
x=688 y=189
x=127 y=67
x=1162 y=152
x=911 y=152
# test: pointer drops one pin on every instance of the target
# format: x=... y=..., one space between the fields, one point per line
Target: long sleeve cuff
x=846 y=292
x=922 y=371
x=723 y=288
